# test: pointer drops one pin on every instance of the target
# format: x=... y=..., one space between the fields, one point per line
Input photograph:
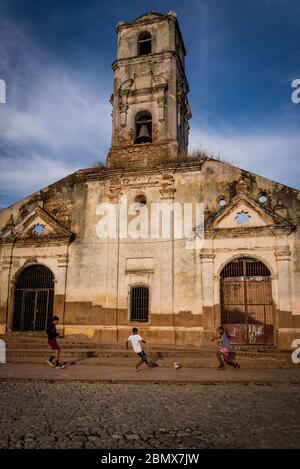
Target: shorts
x=142 y=355
x=224 y=350
x=53 y=344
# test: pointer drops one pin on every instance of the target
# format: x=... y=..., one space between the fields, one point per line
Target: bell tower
x=151 y=112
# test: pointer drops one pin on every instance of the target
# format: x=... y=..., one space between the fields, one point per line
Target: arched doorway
x=33 y=301
x=246 y=301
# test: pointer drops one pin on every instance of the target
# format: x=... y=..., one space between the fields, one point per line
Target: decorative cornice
x=167 y=193
x=255 y=231
x=207 y=255
x=180 y=165
x=283 y=254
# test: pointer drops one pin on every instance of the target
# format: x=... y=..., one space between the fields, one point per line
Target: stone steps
x=117 y=355
x=40 y=345
x=14 y=338
x=32 y=346
x=84 y=352
x=39 y=350
x=168 y=362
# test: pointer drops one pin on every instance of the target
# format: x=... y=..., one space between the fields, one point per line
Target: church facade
x=245 y=273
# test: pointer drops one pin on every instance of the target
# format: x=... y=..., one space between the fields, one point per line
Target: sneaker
x=221 y=366
x=50 y=363
x=237 y=365
x=60 y=366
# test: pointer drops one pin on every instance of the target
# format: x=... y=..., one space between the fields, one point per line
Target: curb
x=242 y=382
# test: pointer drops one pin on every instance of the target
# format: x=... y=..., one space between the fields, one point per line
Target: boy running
x=52 y=334
x=225 y=350
x=136 y=342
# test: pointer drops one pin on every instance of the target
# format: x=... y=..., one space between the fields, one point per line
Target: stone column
x=113 y=269
x=217 y=301
x=207 y=263
x=283 y=257
x=6 y=288
x=167 y=192
x=61 y=287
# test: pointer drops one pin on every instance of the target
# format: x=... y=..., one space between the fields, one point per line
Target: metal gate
x=33 y=302
x=246 y=302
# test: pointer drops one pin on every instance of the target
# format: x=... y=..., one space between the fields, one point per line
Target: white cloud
x=60 y=115
x=56 y=119
x=36 y=172
x=272 y=153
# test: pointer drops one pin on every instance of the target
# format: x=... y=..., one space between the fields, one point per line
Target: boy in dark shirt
x=52 y=334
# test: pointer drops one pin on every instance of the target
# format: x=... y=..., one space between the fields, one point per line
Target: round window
x=262 y=198
x=222 y=201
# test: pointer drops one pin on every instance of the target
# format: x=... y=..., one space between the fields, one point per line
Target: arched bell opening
x=143 y=127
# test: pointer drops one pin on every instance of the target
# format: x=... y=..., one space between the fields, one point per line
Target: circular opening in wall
x=140 y=199
x=262 y=198
x=55 y=213
x=38 y=229
x=242 y=218
x=222 y=201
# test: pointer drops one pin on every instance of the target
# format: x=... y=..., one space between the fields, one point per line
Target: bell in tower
x=150 y=104
x=143 y=126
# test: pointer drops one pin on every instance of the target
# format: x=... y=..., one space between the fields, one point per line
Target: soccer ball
x=177 y=365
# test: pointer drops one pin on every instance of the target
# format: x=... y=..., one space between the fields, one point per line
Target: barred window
x=139 y=303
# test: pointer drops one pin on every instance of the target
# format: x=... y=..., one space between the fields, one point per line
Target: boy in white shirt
x=136 y=342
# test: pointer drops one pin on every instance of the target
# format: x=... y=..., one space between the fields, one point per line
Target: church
x=245 y=272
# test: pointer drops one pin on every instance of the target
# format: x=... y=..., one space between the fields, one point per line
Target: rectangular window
x=139 y=304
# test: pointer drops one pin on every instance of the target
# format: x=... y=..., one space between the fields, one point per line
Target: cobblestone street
x=77 y=415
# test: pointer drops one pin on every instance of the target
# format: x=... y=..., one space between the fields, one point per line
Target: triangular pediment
x=37 y=225
x=242 y=212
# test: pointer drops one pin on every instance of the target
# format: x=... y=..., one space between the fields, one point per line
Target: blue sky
x=55 y=57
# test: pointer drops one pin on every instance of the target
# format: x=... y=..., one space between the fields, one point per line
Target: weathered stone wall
x=145 y=155
x=184 y=285
x=93 y=276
